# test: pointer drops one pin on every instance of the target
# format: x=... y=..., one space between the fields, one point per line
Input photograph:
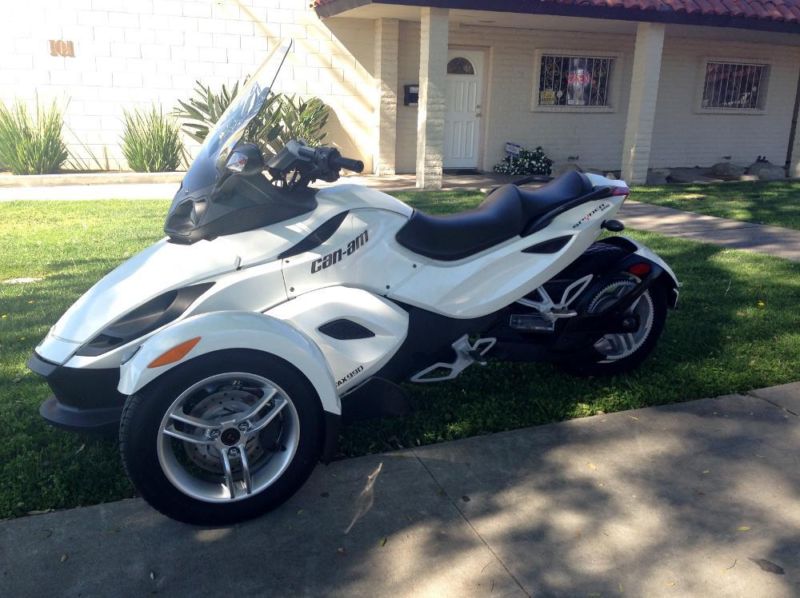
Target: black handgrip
x=348 y=164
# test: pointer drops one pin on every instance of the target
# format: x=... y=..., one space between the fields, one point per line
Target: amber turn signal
x=177 y=353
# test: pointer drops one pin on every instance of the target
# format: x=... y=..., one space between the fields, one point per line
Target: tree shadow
x=667 y=501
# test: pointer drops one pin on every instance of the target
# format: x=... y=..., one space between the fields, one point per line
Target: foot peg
x=466 y=355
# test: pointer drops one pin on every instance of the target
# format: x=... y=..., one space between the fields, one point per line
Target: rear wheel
x=617 y=353
x=222 y=438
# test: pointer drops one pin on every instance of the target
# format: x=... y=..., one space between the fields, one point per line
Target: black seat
x=502 y=215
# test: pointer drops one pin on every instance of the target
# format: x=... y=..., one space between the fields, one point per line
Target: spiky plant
x=31 y=145
x=151 y=141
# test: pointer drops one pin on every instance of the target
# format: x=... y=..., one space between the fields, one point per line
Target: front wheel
x=222 y=438
x=617 y=353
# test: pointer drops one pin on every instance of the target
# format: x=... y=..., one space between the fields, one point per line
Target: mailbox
x=411 y=94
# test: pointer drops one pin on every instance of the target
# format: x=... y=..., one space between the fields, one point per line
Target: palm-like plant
x=303 y=119
x=203 y=110
x=281 y=118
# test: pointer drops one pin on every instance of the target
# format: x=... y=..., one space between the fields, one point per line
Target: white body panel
x=244 y=266
x=486 y=282
x=233 y=330
x=354 y=360
x=374 y=262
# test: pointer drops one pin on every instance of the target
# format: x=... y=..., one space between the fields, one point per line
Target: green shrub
x=151 y=141
x=281 y=119
x=526 y=163
x=31 y=145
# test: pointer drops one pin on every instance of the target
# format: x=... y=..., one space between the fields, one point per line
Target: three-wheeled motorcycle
x=227 y=354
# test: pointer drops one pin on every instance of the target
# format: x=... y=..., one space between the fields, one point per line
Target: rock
x=559 y=169
x=657 y=176
x=767 y=171
x=727 y=171
x=688 y=175
x=773 y=173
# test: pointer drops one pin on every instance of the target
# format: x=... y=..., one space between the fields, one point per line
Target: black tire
x=140 y=428
x=583 y=366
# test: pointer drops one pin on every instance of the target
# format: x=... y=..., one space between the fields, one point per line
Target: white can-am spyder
x=227 y=353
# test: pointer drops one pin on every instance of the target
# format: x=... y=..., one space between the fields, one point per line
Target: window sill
x=732 y=111
x=574 y=109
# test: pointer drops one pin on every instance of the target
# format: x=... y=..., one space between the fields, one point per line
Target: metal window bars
x=734 y=86
x=574 y=80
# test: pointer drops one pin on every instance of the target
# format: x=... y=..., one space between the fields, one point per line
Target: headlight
x=144 y=319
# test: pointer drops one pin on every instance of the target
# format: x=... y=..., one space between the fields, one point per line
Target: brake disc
x=216 y=408
x=618 y=346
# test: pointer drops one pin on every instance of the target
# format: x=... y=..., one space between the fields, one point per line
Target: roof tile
x=787 y=11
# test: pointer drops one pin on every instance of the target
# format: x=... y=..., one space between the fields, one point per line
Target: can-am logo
x=334 y=257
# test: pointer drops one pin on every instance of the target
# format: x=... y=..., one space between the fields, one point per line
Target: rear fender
x=224 y=330
x=635 y=249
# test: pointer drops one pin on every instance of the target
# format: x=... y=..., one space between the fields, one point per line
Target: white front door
x=462 y=118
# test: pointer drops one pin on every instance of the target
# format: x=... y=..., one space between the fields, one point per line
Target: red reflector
x=641 y=269
x=616 y=191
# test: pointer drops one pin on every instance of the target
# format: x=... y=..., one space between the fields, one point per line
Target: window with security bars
x=575 y=80
x=734 y=86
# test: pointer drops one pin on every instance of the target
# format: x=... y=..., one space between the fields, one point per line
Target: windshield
x=211 y=202
x=230 y=127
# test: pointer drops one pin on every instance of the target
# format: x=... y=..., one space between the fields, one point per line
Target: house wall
x=131 y=54
x=510 y=64
x=682 y=135
x=685 y=136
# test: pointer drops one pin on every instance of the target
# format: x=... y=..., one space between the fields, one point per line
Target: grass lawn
x=738 y=328
x=775 y=203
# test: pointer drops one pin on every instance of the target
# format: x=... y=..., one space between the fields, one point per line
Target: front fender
x=233 y=330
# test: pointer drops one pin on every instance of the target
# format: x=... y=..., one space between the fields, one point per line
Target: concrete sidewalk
x=167 y=189
x=694 y=499
x=734 y=234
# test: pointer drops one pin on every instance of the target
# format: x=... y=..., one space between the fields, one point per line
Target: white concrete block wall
x=132 y=54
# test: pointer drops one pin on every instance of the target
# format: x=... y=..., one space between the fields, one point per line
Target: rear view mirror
x=246 y=159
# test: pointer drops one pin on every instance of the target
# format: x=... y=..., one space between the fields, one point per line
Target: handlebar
x=347 y=163
x=330 y=156
x=303 y=164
